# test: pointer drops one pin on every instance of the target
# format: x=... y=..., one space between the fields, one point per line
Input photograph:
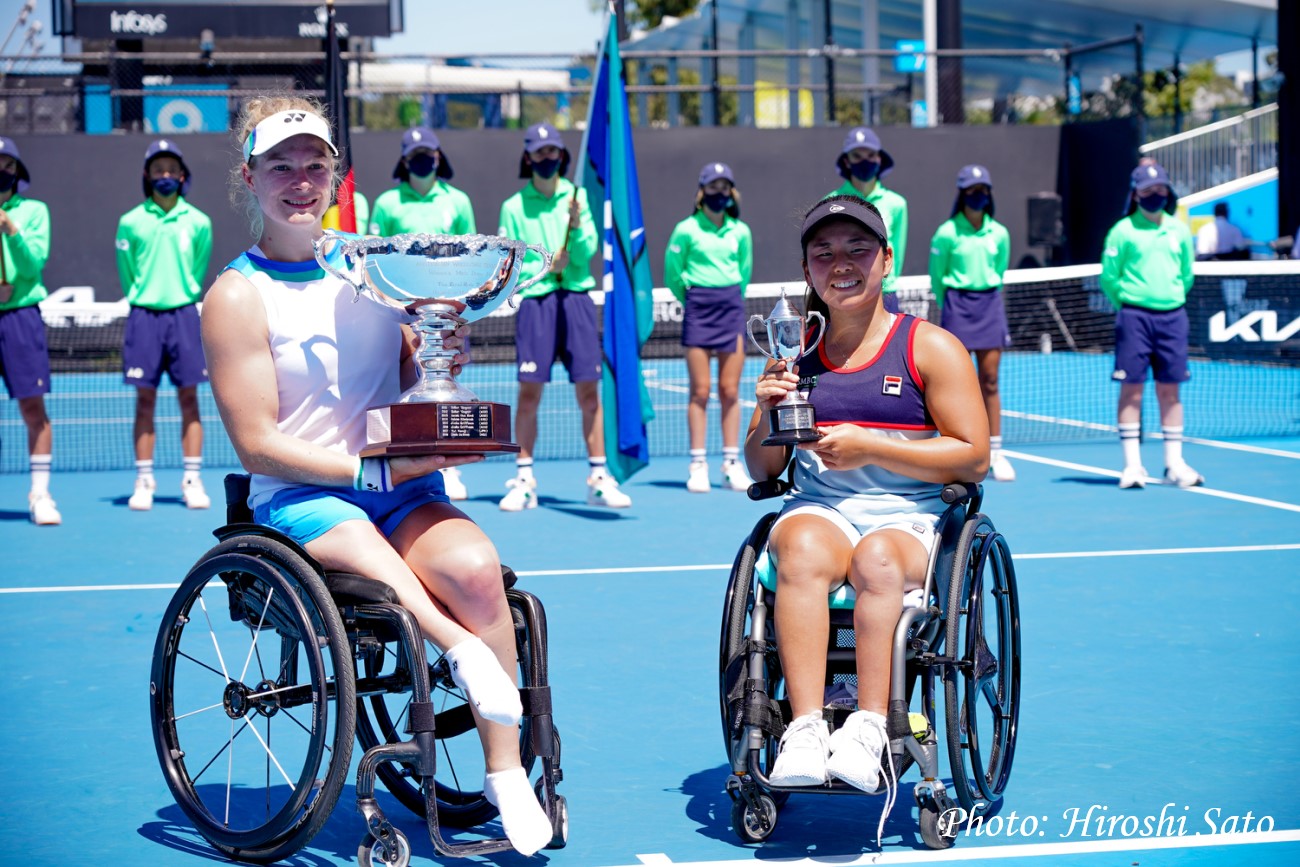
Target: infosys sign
x=117 y=20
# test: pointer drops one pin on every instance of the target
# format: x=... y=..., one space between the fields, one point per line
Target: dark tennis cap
x=841 y=208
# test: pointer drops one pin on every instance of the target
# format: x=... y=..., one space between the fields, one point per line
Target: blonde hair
x=253 y=112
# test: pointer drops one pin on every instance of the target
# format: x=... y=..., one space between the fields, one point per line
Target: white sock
x=730 y=454
x=524 y=469
x=597 y=465
x=1130 y=437
x=995 y=444
x=144 y=470
x=699 y=456
x=522 y=817
x=40 y=467
x=192 y=466
x=1173 y=446
x=476 y=670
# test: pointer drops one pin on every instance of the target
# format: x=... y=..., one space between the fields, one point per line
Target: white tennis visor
x=283 y=125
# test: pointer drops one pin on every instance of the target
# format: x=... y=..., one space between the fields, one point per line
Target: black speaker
x=1045 y=226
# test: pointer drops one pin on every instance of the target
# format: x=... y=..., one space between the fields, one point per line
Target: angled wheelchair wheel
x=251 y=699
x=982 y=687
x=382 y=710
x=734 y=656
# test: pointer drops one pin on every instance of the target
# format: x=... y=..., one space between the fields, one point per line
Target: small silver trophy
x=443 y=281
x=793 y=420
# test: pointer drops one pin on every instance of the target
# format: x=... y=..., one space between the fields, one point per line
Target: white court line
x=1110 y=428
x=991 y=853
x=1203 y=491
x=724 y=567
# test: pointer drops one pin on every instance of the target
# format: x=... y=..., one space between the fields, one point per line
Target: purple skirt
x=714 y=317
x=977 y=318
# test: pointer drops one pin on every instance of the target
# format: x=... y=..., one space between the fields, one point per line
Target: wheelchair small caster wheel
x=559 y=819
x=753 y=824
x=371 y=852
x=938 y=829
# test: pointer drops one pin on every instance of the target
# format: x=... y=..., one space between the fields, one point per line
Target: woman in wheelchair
x=899 y=414
x=294 y=364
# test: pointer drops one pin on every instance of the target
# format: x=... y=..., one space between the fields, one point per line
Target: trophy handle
x=821 y=329
x=546 y=266
x=749 y=330
x=321 y=246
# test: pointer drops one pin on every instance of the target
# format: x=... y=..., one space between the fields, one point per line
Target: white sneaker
x=142 y=497
x=43 y=510
x=698 y=481
x=453 y=484
x=603 y=491
x=1183 y=476
x=801 y=759
x=1133 y=477
x=193 y=494
x=856 y=748
x=734 y=476
x=522 y=495
x=1001 y=468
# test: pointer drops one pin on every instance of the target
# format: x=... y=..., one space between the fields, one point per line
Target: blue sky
x=437 y=26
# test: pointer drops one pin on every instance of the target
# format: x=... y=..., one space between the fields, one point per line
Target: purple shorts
x=891 y=302
x=559 y=325
x=24 y=356
x=977 y=319
x=714 y=318
x=1151 y=338
x=158 y=340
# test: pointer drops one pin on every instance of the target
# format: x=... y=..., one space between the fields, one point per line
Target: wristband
x=356 y=477
x=374 y=476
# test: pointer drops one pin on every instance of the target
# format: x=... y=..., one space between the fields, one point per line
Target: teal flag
x=608 y=168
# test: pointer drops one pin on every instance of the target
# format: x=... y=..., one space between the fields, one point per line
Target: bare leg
x=593 y=432
x=191 y=425
x=146 y=400
x=988 y=361
x=730 y=366
x=530 y=397
x=697 y=407
x=40 y=435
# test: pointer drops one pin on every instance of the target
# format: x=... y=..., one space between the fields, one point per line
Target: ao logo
x=180 y=115
x=135 y=373
x=528 y=367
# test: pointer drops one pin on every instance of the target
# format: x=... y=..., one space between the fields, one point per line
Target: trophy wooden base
x=791 y=424
x=453 y=428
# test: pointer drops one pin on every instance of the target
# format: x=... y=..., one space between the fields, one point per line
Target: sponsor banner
x=226 y=21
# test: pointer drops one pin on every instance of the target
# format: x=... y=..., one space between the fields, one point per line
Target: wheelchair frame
x=971 y=575
x=345 y=648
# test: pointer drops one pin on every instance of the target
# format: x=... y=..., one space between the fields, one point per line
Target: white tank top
x=336 y=355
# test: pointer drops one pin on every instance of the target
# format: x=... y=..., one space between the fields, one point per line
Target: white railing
x=1219 y=152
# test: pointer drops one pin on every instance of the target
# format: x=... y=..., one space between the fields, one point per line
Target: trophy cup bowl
x=443 y=281
x=793 y=420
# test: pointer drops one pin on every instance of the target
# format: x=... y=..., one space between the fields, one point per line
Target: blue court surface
x=1159 y=652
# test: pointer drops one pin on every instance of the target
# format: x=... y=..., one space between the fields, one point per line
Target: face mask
x=422 y=165
x=977 y=201
x=716 y=202
x=1153 y=202
x=166 y=186
x=546 y=168
x=865 y=170
x=7 y=181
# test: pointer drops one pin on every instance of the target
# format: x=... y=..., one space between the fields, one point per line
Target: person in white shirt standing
x=1221 y=239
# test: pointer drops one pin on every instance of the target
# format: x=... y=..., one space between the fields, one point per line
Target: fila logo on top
x=893 y=385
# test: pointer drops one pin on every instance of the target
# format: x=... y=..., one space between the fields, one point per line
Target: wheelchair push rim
x=982 y=686
x=252 y=699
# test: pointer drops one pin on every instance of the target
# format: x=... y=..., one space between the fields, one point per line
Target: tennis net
x=1055 y=377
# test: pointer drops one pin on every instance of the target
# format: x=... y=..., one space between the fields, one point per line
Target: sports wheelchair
x=265 y=669
x=965 y=631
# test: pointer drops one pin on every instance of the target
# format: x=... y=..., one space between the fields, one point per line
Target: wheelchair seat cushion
x=348 y=589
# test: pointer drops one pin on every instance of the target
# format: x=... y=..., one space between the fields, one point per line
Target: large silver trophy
x=443 y=281
x=793 y=420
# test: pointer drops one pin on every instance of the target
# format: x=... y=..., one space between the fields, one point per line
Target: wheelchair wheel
x=252 y=700
x=982 y=688
x=754 y=824
x=382 y=718
x=734 y=660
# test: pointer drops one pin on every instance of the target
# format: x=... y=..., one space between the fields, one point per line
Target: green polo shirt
x=444 y=210
x=893 y=208
x=1147 y=264
x=26 y=252
x=162 y=256
x=702 y=254
x=530 y=217
x=963 y=257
